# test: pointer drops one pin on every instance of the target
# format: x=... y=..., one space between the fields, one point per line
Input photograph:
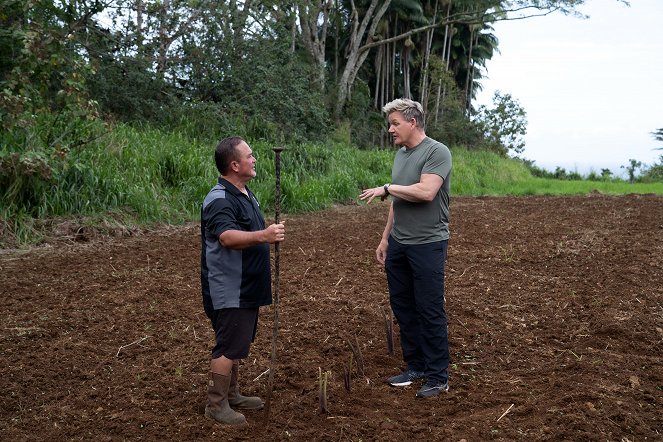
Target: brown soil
x=555 y=311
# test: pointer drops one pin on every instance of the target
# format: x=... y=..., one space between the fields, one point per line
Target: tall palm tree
x=471 y=47
x=394 y=63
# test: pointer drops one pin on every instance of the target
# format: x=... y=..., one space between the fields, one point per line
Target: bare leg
x=221 y=365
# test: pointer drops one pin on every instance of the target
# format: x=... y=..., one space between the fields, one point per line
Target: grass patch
x=143 y=176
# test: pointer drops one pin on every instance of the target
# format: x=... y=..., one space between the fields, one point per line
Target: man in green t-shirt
x=413 y=248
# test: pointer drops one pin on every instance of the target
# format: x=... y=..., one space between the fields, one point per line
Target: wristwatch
x=386 y=191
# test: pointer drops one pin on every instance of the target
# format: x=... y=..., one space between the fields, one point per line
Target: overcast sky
x=592 y=89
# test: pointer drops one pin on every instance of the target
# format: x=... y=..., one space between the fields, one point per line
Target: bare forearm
x=390 y=223
x=422 y=192
x=414 y=193
x=239 y=239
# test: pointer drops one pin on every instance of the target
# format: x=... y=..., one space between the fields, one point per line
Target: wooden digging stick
x=277 y=271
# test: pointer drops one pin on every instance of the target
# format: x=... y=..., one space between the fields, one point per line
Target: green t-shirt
x=421 y=223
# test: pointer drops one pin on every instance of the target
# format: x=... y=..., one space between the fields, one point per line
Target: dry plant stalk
x=322 y=379
x=388 y=329
x=356 y=350
x=347 y=375
x=129 y=345
x=506 y=412
x=359 y=358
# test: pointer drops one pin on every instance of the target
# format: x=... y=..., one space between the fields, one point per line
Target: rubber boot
x=217 y=401
x=235 y=398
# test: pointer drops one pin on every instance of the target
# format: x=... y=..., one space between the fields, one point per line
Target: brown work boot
x=217 y=401
x=235 y=398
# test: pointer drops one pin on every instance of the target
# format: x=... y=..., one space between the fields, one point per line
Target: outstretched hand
x=372 y=193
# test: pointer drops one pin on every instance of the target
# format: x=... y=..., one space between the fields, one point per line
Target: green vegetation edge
x=141 y=177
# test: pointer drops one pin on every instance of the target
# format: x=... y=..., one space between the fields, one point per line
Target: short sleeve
x=438 y=161
x=220 y=216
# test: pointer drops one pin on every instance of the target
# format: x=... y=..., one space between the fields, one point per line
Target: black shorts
x=235 y=330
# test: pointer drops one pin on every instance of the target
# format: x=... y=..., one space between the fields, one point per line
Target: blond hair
x=409 y=108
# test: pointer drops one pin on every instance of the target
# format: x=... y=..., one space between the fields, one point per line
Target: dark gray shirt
x=421 y=223
x=232 y=278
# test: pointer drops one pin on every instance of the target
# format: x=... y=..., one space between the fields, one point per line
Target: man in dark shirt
x=235 y=275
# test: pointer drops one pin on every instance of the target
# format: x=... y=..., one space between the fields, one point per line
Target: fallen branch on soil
x=462 y=324
x=194 y=331
x=579 y=358
x=261 y=374
x=20 y=331
x=128 y=345
x=466 y=269
x=505 y=413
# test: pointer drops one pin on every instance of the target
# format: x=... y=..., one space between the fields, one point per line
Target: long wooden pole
x=277 y=272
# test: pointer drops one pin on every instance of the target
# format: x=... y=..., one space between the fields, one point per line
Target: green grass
x=480 y=173
x=144 y=176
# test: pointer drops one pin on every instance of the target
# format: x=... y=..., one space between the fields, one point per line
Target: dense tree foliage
x=504 y=125
x=306 y=69
x=295 y=65
x=45 y=108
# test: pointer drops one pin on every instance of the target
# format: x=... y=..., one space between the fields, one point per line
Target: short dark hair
x=225 y=153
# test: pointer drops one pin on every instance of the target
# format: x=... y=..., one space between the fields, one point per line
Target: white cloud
x=593 y=89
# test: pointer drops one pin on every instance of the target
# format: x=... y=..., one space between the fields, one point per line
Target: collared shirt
x=232 y=278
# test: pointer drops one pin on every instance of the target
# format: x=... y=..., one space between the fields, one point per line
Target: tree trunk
x=438 y=100
x=446 y=50
x=309 y=19
x=428 y=41
x=139 y=24
x=379 y=81
x=164 y=40
x=357 y=55
x=336 y=34
x=405 y=65
x=468 y=92
x=239 y=21
x=293 y=34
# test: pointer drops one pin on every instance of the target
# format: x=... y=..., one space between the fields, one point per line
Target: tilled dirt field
x=555 y=309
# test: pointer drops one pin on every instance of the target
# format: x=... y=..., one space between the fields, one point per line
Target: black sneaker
x=404 y=379
x=432 y=388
